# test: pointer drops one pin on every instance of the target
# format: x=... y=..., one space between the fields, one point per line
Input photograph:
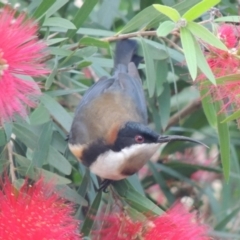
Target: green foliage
x=80 y=47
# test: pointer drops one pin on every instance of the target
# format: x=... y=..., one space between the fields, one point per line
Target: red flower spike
x=35 y=212
x=227 y=34
x=118 y=227
x=20 y=54
x=176 y=224
x=224 y=63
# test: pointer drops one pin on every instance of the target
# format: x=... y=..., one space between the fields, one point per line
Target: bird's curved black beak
x=166 y=139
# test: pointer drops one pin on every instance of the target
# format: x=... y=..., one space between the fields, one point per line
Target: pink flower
x=227 y=33
x=176 y=224
x=20 y=54
x=118 y=227
x=35 y=212
x=225 y=63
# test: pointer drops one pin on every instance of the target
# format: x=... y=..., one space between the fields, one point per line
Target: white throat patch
x=110 y=164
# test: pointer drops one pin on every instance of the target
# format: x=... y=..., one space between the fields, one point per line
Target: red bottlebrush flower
x=35 y=212
x=176 y=224
x=118 y=227
x=20 y=52
x=224 y=63
x=227 y=33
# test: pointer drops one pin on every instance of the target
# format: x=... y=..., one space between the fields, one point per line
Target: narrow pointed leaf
x=89 y=220
x=57 y=160
x=228 y=19
x=204 y=34
x=172 y=13
x=203 y=65
x=150 y=70
x=82 y=15
x=89 y=41
x=165 y=28
x=232 y=117
x=41 y=151
x=42 y=8
x=189 y=51
x=57 y=111
x=58 y=22
x=208 y=107
x=200 y=8
x=135 y=199
x=224 y=142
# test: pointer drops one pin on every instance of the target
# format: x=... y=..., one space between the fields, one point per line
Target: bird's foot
x=104 y=184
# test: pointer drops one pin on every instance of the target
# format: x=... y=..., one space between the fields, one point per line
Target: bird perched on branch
x=109 y=133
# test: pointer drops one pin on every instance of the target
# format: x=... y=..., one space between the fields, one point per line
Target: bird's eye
x=139 y=139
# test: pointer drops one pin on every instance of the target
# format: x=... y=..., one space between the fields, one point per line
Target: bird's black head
x=134 y=133
x=137 y=133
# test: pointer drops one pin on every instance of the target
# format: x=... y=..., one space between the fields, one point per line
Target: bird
x=109 y=133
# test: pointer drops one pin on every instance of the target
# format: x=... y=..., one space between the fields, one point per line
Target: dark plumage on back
x=120 y=97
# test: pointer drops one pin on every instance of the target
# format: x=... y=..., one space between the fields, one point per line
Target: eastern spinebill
x=109 y=133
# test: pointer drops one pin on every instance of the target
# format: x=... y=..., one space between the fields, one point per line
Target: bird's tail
x=126 y=52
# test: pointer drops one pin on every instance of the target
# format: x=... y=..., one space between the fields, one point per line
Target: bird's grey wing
x=130 y=84
x=79 y=132
x=95 y=91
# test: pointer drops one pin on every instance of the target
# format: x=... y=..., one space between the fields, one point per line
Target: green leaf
x=53 y=41
x=39 y=116
x=8 y=130
x=58 y=22
x=2 y=137
x=227 y=219
x=55 y=7
x=142 y=19
x=200 y=8
x=150 y=70
x=150 y=17
x=89 y=41
x=26 y=135
x=172 y=13
x=26 y=169
x=164 y=105
x=161 y=182
x=50 y=78
x=50 y=176
x=135 y=199
x=41 y=151
x=84 y=64
x=82 y=14
x=202 y=63
x=60 y=51
x=89 y=220
x=232 y=117
x=224 y=141
x=222 y=80
x=58 y=93
x=228 y=19
x=181 y=7
x=208 y=107
x=203 y=33
x=165 y=28
x=189 y=51
x=42 y=8
x=58 y=161
x=67 y=193
x=57 y=111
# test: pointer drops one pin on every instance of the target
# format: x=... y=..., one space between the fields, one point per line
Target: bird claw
x=104 y=184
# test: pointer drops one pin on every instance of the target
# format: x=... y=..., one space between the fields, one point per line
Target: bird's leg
x=104 y=184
